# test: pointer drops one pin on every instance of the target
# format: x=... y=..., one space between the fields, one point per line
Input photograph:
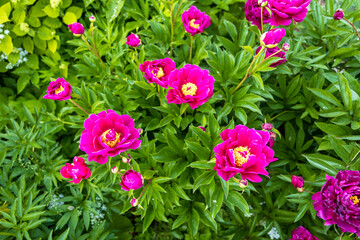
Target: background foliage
x=312 y=100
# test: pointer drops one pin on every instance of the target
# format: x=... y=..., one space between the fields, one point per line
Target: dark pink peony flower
x=131 y=180
x=286 y=10
x=77 y=28
x=158 y=71
x=78 y=170
x=297 y=182
x=253 y=13
x=271 y=52
x=243 y=151
x=339 y=14
x=338 y=202
x=59 y=89
x=272 y=38
x=266 y=126
x=108 y=134
x=302 y=233
x=190 y=85
x=195 y=21
x=133 y=40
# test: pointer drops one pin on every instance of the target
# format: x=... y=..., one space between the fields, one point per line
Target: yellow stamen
x=192 y=24
x=241 y=155
x=159 y=74
x=355 y=200
x=109 y=142
x=59 y=90
x=189 y=89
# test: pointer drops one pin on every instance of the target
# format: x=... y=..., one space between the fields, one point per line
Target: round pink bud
x=339 y=14
x=267 y=126
x=134 y=202
x=297 y=182
x=92 y=19
x=131 y=180
x=115 y=170
x=77 y=29
x=125 y=160
x=243 y=183
x=286 y=47
x=133 y=40
x=140 y=130
x=202 y=128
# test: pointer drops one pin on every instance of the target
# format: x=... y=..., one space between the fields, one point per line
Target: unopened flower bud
x=267 y=126
x=297 y=182
x=286 y=47
x=300 y=189
x=243 y=183
x=115 y=170
x=202 y=128
x=271 y=142
x=262 y=3
x=140 y=130
x=272 y=135
x=92 y=19
x=339 y=14
x=134 y=202
x=125 y=160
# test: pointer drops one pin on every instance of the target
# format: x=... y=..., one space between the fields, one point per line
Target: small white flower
x=7 y=32
x=71 y=208
x=1 y=25
x=273 y=233
x=2 y=36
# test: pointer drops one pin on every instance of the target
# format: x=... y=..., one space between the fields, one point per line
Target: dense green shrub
x=312 y=101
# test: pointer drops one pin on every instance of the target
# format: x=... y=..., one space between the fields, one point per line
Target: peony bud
x=133 y=40
x=92 y=19
x=271 y=142
x=262 y=3
x=134 y=202
x=267 y=126
x=297 y=182
x=140 y=130
x=125 y=160
x=339 y=14
x=115 y=170
x=202 y=128
x=300 y=189
x=272 y=135
x=243 y=183
x=286 y=47
x=77 y=29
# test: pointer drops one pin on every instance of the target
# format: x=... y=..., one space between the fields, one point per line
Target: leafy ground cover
x=179 y=119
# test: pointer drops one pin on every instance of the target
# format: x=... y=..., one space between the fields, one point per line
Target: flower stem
x=136 y=57
x=191 y=47
x=341 y=237
x=357 y=33
x=262 y=21
x=79 y=106
x=247 y=72
x=159 y=94
x=143 y=190
x=263 y=62
x=92 y=50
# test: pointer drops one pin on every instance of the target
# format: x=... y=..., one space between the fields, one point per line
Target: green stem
x=159 y=94
x=357 y=33
x=191 y=47
x=79 y=106
x=341 y=237
x=92 y=50
x=247 y=72
x=136 y=57
x=262 y=21
x=256 y=67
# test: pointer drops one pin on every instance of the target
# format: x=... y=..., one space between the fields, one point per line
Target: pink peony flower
x=77 y=28
x=253 y=13
x=338 y=202
x=272 y=38
x=78 y=170
x=195 y=21
x=286 y=10
x=266 y=126
x=270 y=51
x=134 y=202
x=302 y=233
x=158 y=71
x=133 y=40
x=59 y=89
x=297 y=182
x=108 y=134
x=339 y=14
x=243 y=151
x=131 y=180
x=190 y=85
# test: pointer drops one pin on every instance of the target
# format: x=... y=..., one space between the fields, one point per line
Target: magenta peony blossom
x=338 y=202
x=302 y=233
x=133 y=40
x=190 y=85
x=243 y=151
x=297 y=182
x=59 y=89
x=158 y=71
x=77 y=28
x=131 y=180
x=339 y=14
x=286 y=10
x=195 y=21
x=270 y=52
x=266 y=126
x=108 y=134
x=253 y=13
x=78 y=170
x=272 y=38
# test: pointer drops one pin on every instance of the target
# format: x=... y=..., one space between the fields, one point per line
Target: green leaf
x=69 y=18
x=194 y=222
x=180 y=220
x=345 y=91
x=204 y=179
x=237 y=200
x=326 y=95
x=64 y=235
x=22 y=83
x=302 y=210
x=161 y=179
x=326 y=163
x=6 y=44
x=113 y=9
x=202 y=152
x=231 y=28
x=149 y=217
x=166 y=155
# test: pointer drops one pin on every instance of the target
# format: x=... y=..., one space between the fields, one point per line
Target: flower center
x=59 y=90
x=110 y=138
x=355 y=200
x=159 y=74
x=189 y=89
x=241 y=155
x=193 y=24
